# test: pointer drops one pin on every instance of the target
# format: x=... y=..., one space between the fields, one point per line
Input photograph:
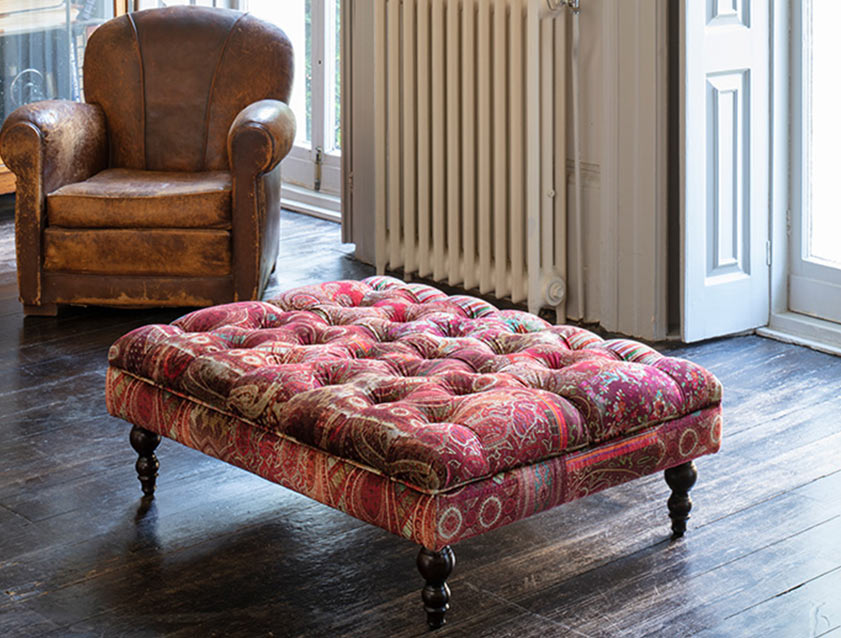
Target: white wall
x=634 y=167
x=591 y=116
x=624 y=106
x=362 y=120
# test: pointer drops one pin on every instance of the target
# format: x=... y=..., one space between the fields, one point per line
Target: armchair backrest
x=172 y=80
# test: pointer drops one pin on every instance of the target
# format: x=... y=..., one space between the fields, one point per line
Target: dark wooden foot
x=435 y=567
x=42 y=310
x=681 y=479
x=144 y=443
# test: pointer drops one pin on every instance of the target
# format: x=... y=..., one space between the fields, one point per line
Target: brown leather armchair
x=164 y=188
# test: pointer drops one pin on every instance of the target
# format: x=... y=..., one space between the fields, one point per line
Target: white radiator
x=470 y=145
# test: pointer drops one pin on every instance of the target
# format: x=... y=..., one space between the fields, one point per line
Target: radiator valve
x=554 y=291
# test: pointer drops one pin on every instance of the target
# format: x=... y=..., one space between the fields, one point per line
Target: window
x=815 y=278
x=314 y=28
x=42 y=44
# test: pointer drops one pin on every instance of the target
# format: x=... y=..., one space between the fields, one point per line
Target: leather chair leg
x=41 y=310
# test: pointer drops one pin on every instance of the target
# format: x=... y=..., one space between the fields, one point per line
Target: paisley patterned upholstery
x=434 y=417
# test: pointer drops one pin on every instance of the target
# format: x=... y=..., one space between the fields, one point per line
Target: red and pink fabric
x=434 y=417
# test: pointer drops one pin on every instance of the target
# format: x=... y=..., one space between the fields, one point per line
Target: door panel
x=724 y=183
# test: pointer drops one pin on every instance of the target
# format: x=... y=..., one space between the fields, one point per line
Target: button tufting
x=400 y=375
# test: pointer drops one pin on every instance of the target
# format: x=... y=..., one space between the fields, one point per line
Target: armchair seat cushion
x=129 y=198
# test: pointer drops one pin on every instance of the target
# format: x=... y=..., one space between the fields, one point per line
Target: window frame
x=784 y=324
x=301 y=165
x=811 y=281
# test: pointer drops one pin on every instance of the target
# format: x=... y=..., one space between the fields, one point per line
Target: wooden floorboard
x=221 y=552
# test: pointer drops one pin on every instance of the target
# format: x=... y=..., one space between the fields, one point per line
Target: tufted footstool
x=436 y=418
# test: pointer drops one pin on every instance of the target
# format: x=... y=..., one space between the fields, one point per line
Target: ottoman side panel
x=495 y=502
x=517 y=494
x=652 y=450
x=359 y=492
x=431 y=520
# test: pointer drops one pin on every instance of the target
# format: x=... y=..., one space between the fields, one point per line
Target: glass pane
x=42 y=46
x=295 y=18
x=823 y=132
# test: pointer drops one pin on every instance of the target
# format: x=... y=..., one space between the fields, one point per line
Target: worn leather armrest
x=47 y=145
x=57 y=140
x=260 y=136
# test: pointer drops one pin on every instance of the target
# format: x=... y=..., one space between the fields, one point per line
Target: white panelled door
x=725 y=254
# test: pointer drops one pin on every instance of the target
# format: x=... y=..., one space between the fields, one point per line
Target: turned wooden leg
x=144 y=443
x=681 y=479
x=435 y=567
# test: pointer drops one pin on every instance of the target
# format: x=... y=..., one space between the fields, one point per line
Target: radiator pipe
x=576 y=143
x=559 y=291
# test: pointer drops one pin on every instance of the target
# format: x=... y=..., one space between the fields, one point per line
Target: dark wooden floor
x=224 y=553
